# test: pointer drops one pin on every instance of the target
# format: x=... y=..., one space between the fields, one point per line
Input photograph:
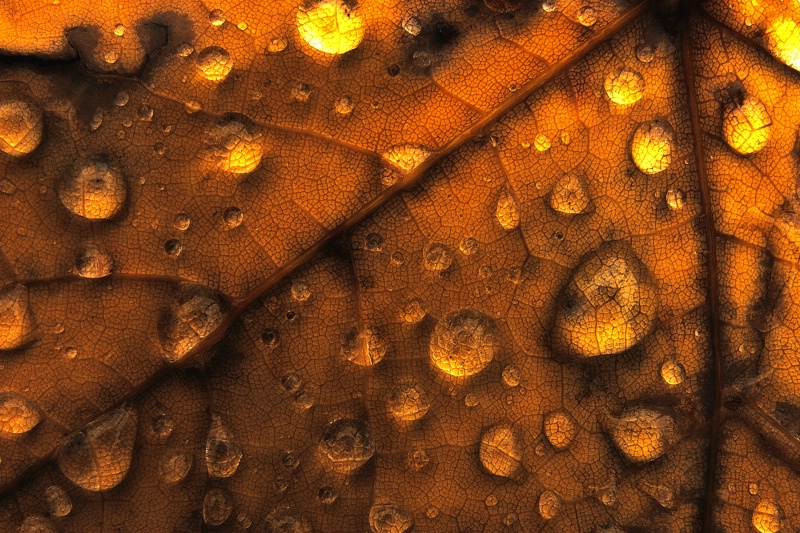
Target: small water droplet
x=624 y=86
x=17 y=414
x=344 y=106
x=214 y=63
x=549 y=6
x=192 y=317
x=746 y=125
x=501 y=450
x=412 y=26
x=645 y=53
x=327 y=495
x=511 y=376
x=347 y=444
x=119 y=30
x=673 y=373
x=364 y=346
x=92 y=262
x=331 y=26
x=277 y=45
x=437 y=257
x=217 y=506
x=182 y=221
x=233 y=217
x=389 y=518
x=549 y=504
x=412 y=312
x=270 y=337
x=185 y=50
x=587 y=16
x=468 y=246
x=507 y=212
x=491 y=500
x=173 y=248
x=767 y=517
x=58 y=501
x=37 y=524
x=216 y=17
x=675 y=199
x=418 y=459
x=223 y=452
x=560 y=428
x=94 y=190
x=70 y=352
x=234 y=144
x=542 y=142
x=471 y=400
x=570 y=195
x=16 y=318
x=374 y=242
x=642 y=435
x=652 y=146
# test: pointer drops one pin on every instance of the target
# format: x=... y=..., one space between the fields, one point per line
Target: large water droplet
x=549 y=504
x=214 y=63
x=673 y=373
x=331 y=26
x=17 y=413
x=652 y=146
x=175 y=466
x=462 y=344
x=389 y=518
x=624 y=86
x=98 y=458
x=233 y=217
x=501 y=450
x=437 y=257
x=364 y=346
x=570 y=195
x=223 y=452
x=587 y=16
x=286 y=520
x=217 y=506
x=406 y=157
x=58 y=501
x=234 y=144
x=92 y=262
x=608 y=306
x=408 y=402
x=507 y=212
x=21 y=125
x=767 y=517
x=746 y=125
x=642 y=435
x=192 y=318
x=94 y=190
x=37 y=524
x=783 y=40
x=347 y=444
x=560 y=429
x=16 y=318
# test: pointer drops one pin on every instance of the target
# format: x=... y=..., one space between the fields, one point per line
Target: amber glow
x=331 y=26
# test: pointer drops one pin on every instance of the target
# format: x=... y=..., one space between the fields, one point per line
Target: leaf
x=343 y=267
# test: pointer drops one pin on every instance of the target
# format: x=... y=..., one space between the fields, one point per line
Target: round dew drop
x=624 y=86
x=331 y=26
x=462 y=343
x=437 y=257
x=652 y=146
x=587 y=16
x=549 y=504
x=511 y=376
x=364 y=347
x=214 y=63
x=234 y=144
x=223 y=453
x=16 y=318
x=175 y=466
x=408 y=403
x=17 y=414
x=767 y=517
x=217 y=506
x=570 y=195
x=673 y=373
x=300 y=291
x=92 y=262
x=347 y=444
x=560 y=428
x=747 y=126
x=406 y=157
x=389 y=518
x=642 y=435
x=233 y=217
x=59 y=503
x=21 y=125
x=507 y=212
x=93 y=190
x=500 y=451
x=98 y=458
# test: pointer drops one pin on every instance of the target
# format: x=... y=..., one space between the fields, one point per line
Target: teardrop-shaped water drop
x=560 y=428
x=92 y=262
x=507 y=211
x=652 y=146
x=59 y=503
x=223 y=452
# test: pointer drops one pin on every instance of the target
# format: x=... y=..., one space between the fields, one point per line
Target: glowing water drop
x=501 y=450
x=560 y=427
x=624 y=86
x=347 y=444
x=652 y=146
x=783 y=40
x=570 y=195
x=389 y=518
x=223 y=452
x=214 y=63
x=549 y=504
x=17 y=413
x=92 y=262
x=16 y=318
x=331 y=26
x=407 y=403
x=192 y=318
x=94 y=190
x=234 y=144
x=462 y=343
x=175 y=466
x=642 y=435
x=767 y=517
x=21 y=125
x=746 y=125
x=507 y=212
x=406 y=157
x=673 y=373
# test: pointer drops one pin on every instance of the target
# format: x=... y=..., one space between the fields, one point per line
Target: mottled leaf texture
x=416 y=266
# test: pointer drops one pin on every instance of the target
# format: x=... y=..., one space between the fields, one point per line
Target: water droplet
x=374 y=242
x=7 y=186
x=412 y=312
x=16 y=318
x=468 y=246
x=304 y=400
x=673 y=373
x=570 y=195
x=70 y=352
x=182 y=221
x=746 y=125
x=609 y=305
x=217 y=506
x=408 y=402
x=94 y=190
x=175 y=466
x=173 y=248
x=549 y=504
x=98 y=458
x=17 y=413
x=752 y=488
x=406 y=157
x=652 y=146
x=327 y=495
x=507 y=212
x=542 y=142
x=783 y=40
x=767 y=517
x=214 y=63
x=675 y=199
x=242 y=26
x=548 y=6
x=191 y=319
x=347 y=444
x=511 y=376
x=158 y=148
x=145 y=113
x=398 y=258
x=277 y=45
x=301 y=92
x=437 y=257
x=192 y=106
x=412 y=26
x=462 y=344
x=491 y=500
x=233 y=217
x=608 y=494
x=510 y=518
x=364 y=346
x=121 y=99
x=418 y=459
x=92 y=262
x=119 y=30
x=300 y=291
x=270 y=337
x=389 y=518
x=471 y=400
x=587 y=16
x=344 y=106
x=642 y=435
x=223 y=452
x=292 y=383
x=111 y=57
x=645 y=53
x=21 y=125
x=216 y=17
x=37 y=524
x=331 y=26
x=664 y=495
x=624 y=86
x=185 y=50
x=501 y=450
x=58 y=501
x=97 y=120
x=234 y=144
x=286 y=520
x=560 y=427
